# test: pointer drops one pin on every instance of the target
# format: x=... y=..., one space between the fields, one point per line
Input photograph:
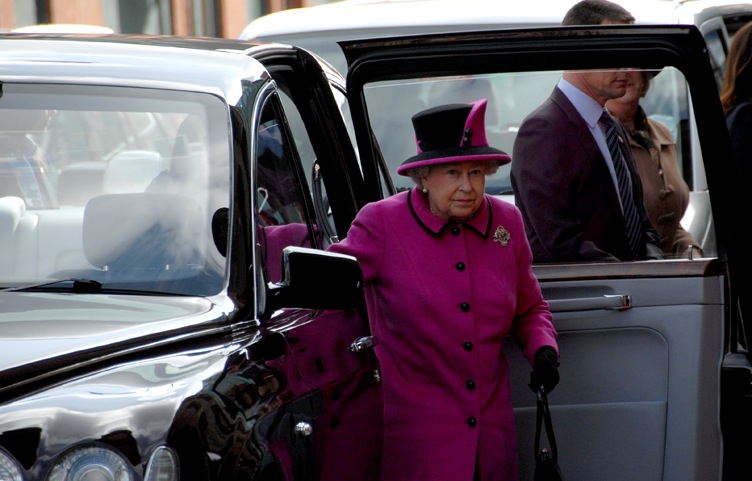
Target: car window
x=99 y=176
x=719 y=31
x=717 y=49
x=280 y=196
x=311 y=165
x=511 y=97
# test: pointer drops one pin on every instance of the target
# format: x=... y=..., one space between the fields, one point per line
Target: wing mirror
x=315 y=279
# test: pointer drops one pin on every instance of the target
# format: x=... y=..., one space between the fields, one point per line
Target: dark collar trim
x=451 y=223
x=418 y=219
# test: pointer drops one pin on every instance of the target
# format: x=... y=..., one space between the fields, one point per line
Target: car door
x=325 y=422
x=719 y=25
x=654 y=366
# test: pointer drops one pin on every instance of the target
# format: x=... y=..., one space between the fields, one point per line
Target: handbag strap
x=544 y=416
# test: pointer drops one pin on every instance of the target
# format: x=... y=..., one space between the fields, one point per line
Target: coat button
x=460 y=266
x=468 y=346
x=464 y=307
x=472 y=422
x=455 y=230
x=470 y=384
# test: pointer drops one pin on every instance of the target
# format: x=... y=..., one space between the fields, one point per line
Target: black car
x=172 y=315
x=167 y=310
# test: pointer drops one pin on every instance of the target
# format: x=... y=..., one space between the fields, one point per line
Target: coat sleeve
x=532 y=327
x=739 y=122
x=365 y=241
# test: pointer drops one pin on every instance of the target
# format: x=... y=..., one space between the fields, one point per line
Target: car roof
x=173 y=62
x=377 y=14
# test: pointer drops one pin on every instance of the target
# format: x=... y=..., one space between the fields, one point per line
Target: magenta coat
x=441 y=299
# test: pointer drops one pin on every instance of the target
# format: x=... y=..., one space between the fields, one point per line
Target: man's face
x=601 y=85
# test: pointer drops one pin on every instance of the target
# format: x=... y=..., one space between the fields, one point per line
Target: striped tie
x=632 y=224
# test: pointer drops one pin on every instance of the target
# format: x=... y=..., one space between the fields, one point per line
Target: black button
x=470 y=384
x=472 y=422
x=468 y=346
x=455 y=230
x=460 y=266
x=465 y=307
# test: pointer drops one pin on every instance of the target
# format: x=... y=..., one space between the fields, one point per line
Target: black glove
x=545 y=370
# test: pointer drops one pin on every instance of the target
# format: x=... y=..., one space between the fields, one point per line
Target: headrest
x=131 y=171
x=11 y=210
x=144 y=230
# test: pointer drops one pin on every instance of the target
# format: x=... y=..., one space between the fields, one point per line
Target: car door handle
x=606 y=302
x=363 y=343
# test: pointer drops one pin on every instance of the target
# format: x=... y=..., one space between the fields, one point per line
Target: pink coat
x=441 y=299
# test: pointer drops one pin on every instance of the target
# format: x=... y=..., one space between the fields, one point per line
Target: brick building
x=211 y=18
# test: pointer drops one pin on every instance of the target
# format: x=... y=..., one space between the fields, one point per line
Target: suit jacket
x=441 y=299
x=565 y=192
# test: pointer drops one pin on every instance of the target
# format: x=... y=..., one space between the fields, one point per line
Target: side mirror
x=315 y=279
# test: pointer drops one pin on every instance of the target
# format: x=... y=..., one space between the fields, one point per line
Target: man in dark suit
x=565 y=175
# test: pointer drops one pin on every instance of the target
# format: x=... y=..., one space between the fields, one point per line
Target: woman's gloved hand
x=545 y=370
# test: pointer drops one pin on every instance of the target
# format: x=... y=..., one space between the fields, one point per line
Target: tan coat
x=665 y=193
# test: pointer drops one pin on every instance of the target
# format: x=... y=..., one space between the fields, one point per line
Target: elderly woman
x=448 y=273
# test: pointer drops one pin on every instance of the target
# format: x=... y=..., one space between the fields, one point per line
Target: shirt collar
x=589 y=109
x=418 y=204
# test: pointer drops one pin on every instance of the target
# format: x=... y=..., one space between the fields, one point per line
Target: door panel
x=633 y=381
x=644 y=345
x=324 y=419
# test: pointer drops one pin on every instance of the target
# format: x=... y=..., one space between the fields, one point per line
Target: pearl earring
x=425 y=191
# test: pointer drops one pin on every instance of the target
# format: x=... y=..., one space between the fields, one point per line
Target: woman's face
x=455 y=191
x=635 y=89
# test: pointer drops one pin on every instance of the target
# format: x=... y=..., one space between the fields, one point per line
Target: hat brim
x=448 y=156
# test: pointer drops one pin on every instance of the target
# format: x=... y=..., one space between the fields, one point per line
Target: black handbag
x=546 y=461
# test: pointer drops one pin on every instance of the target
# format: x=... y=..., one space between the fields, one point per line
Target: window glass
x=280 y=198
x=91 y=178
x=717 y=50
x=511 y=97
x=323 y=221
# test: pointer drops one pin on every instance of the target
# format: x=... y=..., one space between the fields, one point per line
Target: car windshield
x=111 y=184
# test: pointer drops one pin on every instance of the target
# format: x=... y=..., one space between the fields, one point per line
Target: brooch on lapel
x=501 y=236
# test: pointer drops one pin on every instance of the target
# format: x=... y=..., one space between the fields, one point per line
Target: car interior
x=115 y=188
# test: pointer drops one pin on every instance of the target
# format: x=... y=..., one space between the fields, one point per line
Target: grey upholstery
x=79 y=182
x=131 y=171
x=12 y=209
x=144 y=231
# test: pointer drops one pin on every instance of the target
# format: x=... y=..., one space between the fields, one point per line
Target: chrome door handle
x=363 y=343
x=607 y=302
x=303 y=429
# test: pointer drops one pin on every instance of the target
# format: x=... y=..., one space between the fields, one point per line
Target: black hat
x=452 y=133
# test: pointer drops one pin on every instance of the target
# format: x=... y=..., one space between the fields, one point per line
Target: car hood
x=37 y=326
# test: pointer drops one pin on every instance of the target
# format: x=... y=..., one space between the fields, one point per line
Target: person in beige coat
x=665 y=193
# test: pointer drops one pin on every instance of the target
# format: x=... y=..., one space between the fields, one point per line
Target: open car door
x=655 y=373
